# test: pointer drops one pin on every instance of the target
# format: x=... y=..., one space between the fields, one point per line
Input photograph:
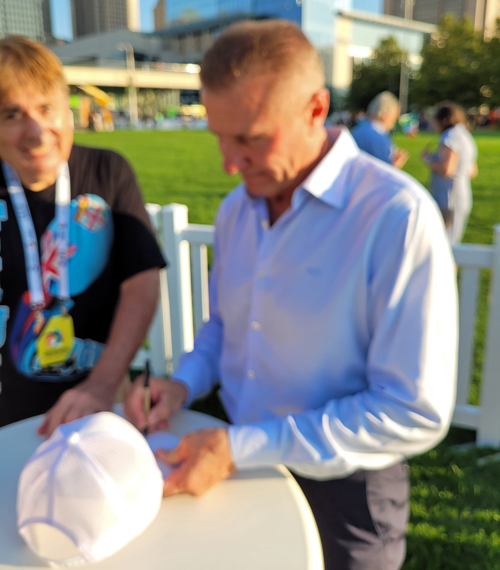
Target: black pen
x=147 y=397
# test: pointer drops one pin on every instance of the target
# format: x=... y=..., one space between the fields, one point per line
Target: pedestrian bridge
x=175 y=76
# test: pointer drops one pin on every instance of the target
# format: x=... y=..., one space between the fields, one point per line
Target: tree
x=490 y=76
x=382 y=73
x=454 y=66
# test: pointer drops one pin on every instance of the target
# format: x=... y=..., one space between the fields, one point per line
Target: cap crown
x=96 y=481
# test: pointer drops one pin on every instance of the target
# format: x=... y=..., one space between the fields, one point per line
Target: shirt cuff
x=255 y=445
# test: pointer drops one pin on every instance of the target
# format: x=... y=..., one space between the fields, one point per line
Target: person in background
x=79 y=263
x=452 y=166
x=372 y=134
x=332 y=306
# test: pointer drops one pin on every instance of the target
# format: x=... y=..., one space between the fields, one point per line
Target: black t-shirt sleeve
x=135 y=245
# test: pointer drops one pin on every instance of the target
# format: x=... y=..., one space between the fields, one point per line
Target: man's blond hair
x=265 y=47
x=26 y=63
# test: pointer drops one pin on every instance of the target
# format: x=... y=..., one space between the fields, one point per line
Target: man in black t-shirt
x=66 y=355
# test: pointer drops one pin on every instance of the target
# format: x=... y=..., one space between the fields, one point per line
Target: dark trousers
x=362 y=518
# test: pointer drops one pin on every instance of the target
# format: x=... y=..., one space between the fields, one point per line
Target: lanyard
x=28 y=234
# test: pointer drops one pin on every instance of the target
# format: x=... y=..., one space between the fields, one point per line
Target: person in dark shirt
x=79 y=271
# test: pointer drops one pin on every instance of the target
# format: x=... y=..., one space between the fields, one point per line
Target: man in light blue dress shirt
x=372 y=134
x=332 y=312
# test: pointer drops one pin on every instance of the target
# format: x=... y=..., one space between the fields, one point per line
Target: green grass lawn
x=455 y=505
x=181 y=166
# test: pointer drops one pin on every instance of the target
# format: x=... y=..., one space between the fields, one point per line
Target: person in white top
x=453 y=165
x=332 y=312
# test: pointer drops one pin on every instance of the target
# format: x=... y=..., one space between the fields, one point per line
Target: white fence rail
x=184 y=306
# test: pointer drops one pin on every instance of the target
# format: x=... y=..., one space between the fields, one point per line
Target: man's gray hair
x=382 y=104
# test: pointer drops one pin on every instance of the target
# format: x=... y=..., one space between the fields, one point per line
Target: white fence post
x=166 y=324
x=469 y=287
x=160 y=341
x=488 y=433
x=175 y=221
x=159 y=352
x=200 y=285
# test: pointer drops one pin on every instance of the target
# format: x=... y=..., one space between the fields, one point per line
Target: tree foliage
x=490 y=77
x=381 y=73
x=458 y=64
x=454 y=65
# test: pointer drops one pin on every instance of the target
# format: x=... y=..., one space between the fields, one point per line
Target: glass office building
x=483 y=13
x=315 y=17
x=184 y=11
x=22 y=17
x=95 y=16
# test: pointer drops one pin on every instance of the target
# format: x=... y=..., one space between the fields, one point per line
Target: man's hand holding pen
x=166 y=397
x=202 y=458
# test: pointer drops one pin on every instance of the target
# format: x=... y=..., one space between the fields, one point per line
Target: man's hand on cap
x=202 y=457
x=87 y=398
x=167 y=397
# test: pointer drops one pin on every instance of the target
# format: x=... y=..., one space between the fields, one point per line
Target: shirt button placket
x=255 y=326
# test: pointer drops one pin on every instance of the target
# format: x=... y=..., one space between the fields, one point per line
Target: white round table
x=258 y=519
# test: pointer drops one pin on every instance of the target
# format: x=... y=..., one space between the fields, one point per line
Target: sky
x=62 y=28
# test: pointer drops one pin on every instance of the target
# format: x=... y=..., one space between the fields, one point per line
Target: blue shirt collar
x=378 y=126
x=329 y=180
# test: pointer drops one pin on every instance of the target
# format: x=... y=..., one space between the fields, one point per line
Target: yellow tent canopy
x=196 y=111
x=98 y=94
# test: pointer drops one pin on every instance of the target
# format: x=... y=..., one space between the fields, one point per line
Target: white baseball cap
x=88 y=490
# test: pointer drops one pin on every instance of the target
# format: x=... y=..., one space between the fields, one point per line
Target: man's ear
x=318 y=107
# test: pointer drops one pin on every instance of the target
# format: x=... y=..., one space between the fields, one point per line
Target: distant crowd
x=452 y=164
x=422 y=120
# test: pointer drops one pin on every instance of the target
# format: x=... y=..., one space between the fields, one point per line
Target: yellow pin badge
x=55 y=343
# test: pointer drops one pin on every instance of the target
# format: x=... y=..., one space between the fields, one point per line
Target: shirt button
x=256 y=326
x=262 y=273
x=265 y=224
x=251 y=374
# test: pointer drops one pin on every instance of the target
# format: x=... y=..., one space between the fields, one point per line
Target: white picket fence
x=184 y=306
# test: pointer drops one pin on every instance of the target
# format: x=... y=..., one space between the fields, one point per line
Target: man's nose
x=34 y=126
x=230 y=166
x=235 y=158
